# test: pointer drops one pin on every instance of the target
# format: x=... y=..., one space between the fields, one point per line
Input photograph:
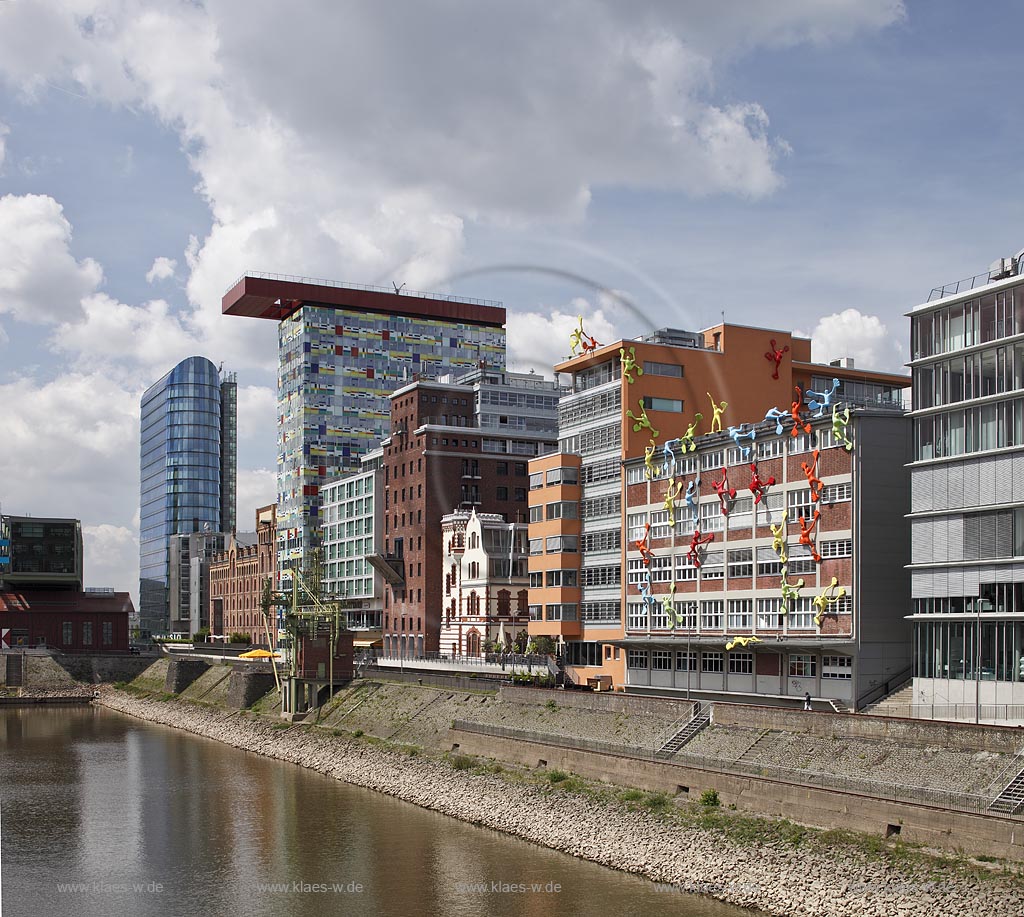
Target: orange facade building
x=627 y=401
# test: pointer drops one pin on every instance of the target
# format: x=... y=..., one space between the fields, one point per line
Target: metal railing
x=863 y=786
x=966 y=285
x=507 y=661
x=887 y=687
x=957 y=712
x=363 y=287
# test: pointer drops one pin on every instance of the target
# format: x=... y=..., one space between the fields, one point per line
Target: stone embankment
x=774 y=877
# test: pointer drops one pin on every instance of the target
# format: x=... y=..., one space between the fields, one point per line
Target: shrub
x=656 y=801
x=709 y=799
x=358 y=733
x=557 y=776
x=551 y=705
x=461 y=762
x=632 y=796
x=238 y=637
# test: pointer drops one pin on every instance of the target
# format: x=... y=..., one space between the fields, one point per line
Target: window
x=769 y=614
x=842 y=548
x=636 y=523
x=520 y=469
x=602 y=611
x=741 y=663
x=568 y=544
x=536 y=481
x=610 y=575
x=636 y=571
x=684 y=569
x=769 y=507
x=661 y=660
x=770 y=448
x=686 y=615
x=800 y=504
x=563 y=476
x=536 y=579
x=741 y=615
x=66 y=633
x=836 y=493
x=712 y=461
x=802 y=665
x=566 y=578
x=536 y=545
x=711 y=518
x=713 y=566
x=636 y=616
x=636 y=474
x=562 y=510
x=801 y=614
x=837 y=667
x=108 y=633
x=741 y=562
x=563 y=612
x=768 y=563
x=87 y=633
x=672 y=370
x=636 y=659
x=610 y=540
x=501 y=493
x=711 y=615
x=711 y=662
x=741 y=516
x=536 y=611
x=659 y=524
x=686 y=661
x=663 y=404
x=800 y=561
x=536 y=514
x=520 y=494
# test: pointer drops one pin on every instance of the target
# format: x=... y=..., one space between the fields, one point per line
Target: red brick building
x=237 y=578
x=69 y=620
x=461 y=444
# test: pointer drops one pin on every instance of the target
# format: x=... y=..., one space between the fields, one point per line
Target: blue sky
x=798 y=164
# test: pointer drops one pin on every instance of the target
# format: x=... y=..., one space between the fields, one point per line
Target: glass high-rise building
x=342 y=351
x=188 y=472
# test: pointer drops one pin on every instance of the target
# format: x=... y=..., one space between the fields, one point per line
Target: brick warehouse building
x=237 y=578
x=456 y=444
x=627 y=400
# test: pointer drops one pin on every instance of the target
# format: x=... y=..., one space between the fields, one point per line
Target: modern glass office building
x=967 y=497
x=188 y=472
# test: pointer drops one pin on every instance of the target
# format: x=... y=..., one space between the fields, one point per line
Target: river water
x=104 y=815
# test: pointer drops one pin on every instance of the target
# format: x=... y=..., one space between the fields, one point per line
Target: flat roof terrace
x=276 y=296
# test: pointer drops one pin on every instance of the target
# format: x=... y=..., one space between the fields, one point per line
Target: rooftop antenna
x=398 y=289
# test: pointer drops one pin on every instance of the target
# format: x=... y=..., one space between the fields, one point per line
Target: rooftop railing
x=966 y=285
x=367 y=288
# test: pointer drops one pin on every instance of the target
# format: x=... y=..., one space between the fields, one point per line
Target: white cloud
x=112 y=557
x=162 y=269
x=40 y=280
x=256 y=488
x=257 y=413
x=851 y=333
x=527 y=110
x=539 y=340
x=4 y=131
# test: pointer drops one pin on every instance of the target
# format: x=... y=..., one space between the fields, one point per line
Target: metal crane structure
x=308 y=617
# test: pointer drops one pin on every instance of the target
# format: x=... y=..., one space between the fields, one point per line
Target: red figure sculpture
x=795 y=412
x=758 y=487
x=805 y=534
x=775 y=356
x=695 y=544
x=643 y=545
x=723 y=489
x=811 y=472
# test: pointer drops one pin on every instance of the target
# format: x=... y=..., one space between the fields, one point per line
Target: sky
x=817 y=165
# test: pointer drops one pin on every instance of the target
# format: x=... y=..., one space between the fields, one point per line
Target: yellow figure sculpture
x=840 y=420
x=576 y=337
x=629 y=364
x=741 y=641
x=641 y=422
x=675 y=490
x=651 y=469
x=668 y=604
x=689 y=439
x=717 y=412
x=779 y=537
x=830 y=596
x=790 y=591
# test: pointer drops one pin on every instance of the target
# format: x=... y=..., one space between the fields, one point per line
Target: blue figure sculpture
x=645 y=591
x=692 y=491
x=668 y=468
x=778 y=416
x=737 y=434
x=826 y=399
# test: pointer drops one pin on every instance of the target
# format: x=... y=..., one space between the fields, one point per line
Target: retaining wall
x=989 y=834
x=181 y=673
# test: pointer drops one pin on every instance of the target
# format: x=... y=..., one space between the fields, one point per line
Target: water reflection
x=156 y=822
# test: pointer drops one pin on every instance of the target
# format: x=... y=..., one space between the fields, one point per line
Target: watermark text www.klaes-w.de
x=497 y=887
x=110 y=888
x=299 y=887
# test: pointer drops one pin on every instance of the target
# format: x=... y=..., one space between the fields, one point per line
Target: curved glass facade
x=187 y=464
